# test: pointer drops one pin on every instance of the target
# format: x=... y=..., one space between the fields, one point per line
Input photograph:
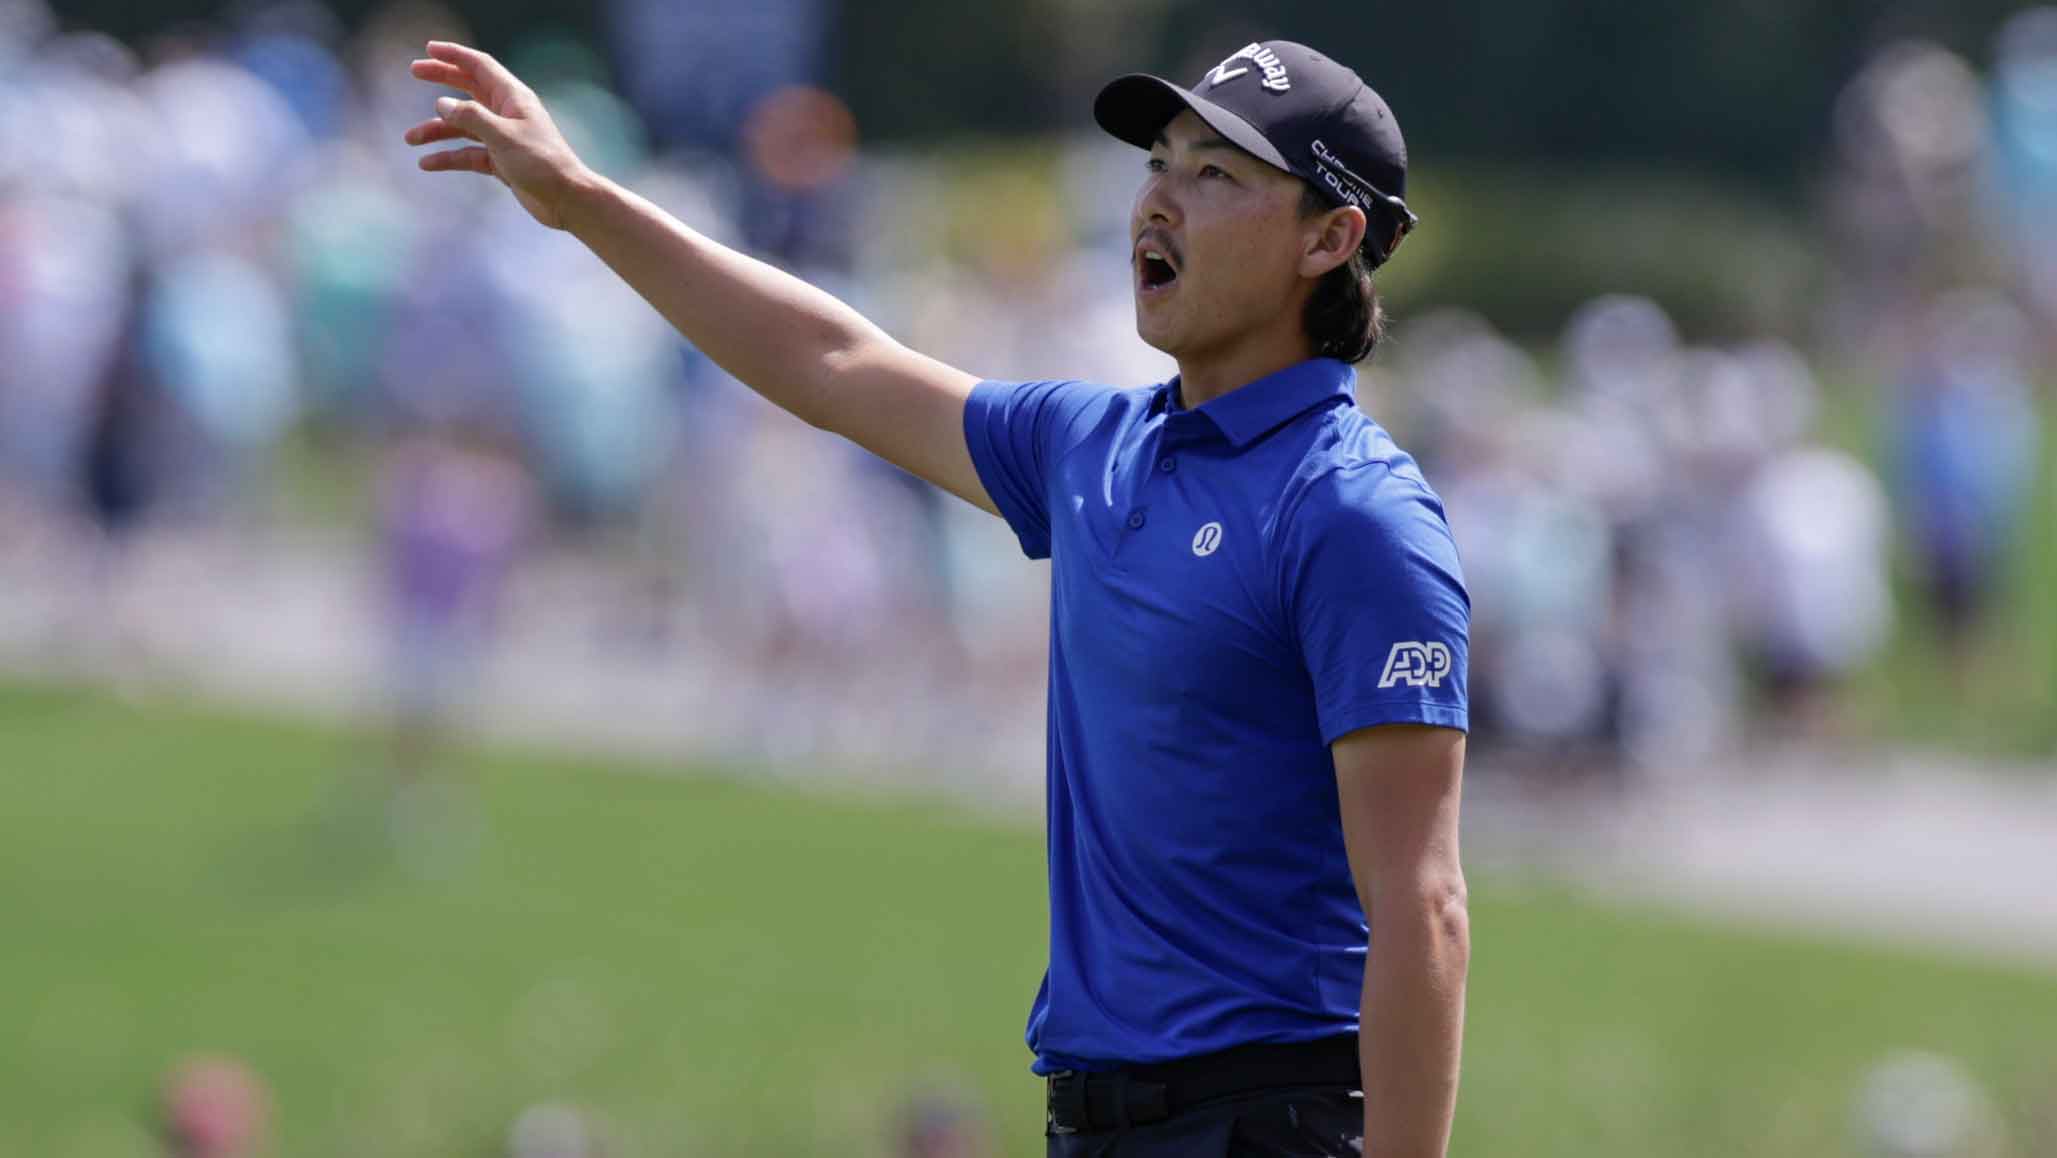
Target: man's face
x=1218 y=243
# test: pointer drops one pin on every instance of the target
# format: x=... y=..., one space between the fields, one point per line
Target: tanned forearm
x=1413 y=1022
x=783 y=337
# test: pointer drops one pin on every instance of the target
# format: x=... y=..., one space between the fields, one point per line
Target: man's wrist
x=581 y=198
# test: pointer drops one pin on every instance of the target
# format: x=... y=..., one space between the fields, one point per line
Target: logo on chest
x=1207 y=540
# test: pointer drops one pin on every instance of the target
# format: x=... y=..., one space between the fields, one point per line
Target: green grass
x=728 y=969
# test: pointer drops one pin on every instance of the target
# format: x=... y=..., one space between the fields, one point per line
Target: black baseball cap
x=1289 y=106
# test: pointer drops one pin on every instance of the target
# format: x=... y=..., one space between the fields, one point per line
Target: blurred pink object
x=215 y=1107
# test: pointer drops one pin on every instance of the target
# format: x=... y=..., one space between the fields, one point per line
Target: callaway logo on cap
x=1275 y=76
x=1292 y=107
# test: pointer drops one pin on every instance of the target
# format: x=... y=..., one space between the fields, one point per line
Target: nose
x=1157 y=202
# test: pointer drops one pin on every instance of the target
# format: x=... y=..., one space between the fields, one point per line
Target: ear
x=1330 y=239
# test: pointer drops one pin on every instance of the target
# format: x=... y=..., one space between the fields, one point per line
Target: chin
x=1156 y=334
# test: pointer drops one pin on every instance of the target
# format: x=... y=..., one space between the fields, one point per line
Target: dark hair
x=1344 y=318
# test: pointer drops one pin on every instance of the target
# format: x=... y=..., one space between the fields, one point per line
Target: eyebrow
x=1214 y=142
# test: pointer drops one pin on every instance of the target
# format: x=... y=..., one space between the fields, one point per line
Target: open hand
x=514 y=137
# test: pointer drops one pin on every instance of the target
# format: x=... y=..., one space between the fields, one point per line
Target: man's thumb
x=473 y=118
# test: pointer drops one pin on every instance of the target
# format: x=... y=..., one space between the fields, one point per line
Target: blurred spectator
x=1814 y=597
x=1543 y=554
x=65 y=284
x=118 y=474
x=1635 y=536
x=216 y=337
x=455 y=508
x=120 y=477
x=1911 y=134
x=1964 y=450
x=348 y=249
x=215 y=1107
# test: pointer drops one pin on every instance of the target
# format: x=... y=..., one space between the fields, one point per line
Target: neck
x=1207 y=375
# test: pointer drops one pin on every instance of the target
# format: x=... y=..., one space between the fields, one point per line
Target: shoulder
x=1354 y=480
x=1061 y=406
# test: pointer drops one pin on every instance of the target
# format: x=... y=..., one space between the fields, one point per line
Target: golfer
x=1258 y=625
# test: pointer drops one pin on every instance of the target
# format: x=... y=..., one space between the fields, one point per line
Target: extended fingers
x=444 y=73
x=472 y=62
x=472 y=119
x=469 y=160
x=436 y=129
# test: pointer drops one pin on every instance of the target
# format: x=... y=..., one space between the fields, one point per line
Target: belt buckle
x=1061 y=1090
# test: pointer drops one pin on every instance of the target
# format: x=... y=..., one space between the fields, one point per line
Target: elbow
x=847 y=358
x=1449 y=908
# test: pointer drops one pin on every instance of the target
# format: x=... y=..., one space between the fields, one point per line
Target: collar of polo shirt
x=1251 y=411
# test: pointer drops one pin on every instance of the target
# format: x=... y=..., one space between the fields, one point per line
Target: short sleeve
x=1375 y=597
x=1015 y=431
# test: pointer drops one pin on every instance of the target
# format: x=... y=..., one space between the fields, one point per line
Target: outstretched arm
x=796 y=345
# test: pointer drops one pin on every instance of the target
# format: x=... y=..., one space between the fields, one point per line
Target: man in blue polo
x=1258 y=940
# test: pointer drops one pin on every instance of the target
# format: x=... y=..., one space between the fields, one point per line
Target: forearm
x=1413 y=1024
x=775 y=333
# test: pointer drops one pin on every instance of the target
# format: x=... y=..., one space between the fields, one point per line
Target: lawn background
x=722 y=968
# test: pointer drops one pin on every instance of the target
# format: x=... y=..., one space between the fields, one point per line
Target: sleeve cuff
x=1336 y=725
x=983 y=411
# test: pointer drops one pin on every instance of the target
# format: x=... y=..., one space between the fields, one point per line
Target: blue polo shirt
x=1233 y=587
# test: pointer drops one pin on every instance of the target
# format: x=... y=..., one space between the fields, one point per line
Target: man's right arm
x=791 y=342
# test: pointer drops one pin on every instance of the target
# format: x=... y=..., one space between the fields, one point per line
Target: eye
x=1155 y=164
x=1215 y=171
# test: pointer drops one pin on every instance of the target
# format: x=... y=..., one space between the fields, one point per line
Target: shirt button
x=1167 y=464
x=1136 y=520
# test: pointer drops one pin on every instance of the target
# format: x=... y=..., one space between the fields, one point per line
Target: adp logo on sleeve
x=1417 y=665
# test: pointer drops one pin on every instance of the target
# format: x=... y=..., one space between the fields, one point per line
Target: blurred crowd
x=217 y=260
x=1665 y=554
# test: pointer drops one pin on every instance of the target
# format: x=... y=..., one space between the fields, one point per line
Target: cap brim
x=1135 y=108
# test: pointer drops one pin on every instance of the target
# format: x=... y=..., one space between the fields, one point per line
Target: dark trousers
x=1295 y=1121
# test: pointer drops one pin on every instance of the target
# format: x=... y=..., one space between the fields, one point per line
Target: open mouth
x=1155 y=269
x=1157 y=262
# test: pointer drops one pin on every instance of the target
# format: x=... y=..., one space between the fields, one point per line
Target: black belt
x=1089 y=1102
